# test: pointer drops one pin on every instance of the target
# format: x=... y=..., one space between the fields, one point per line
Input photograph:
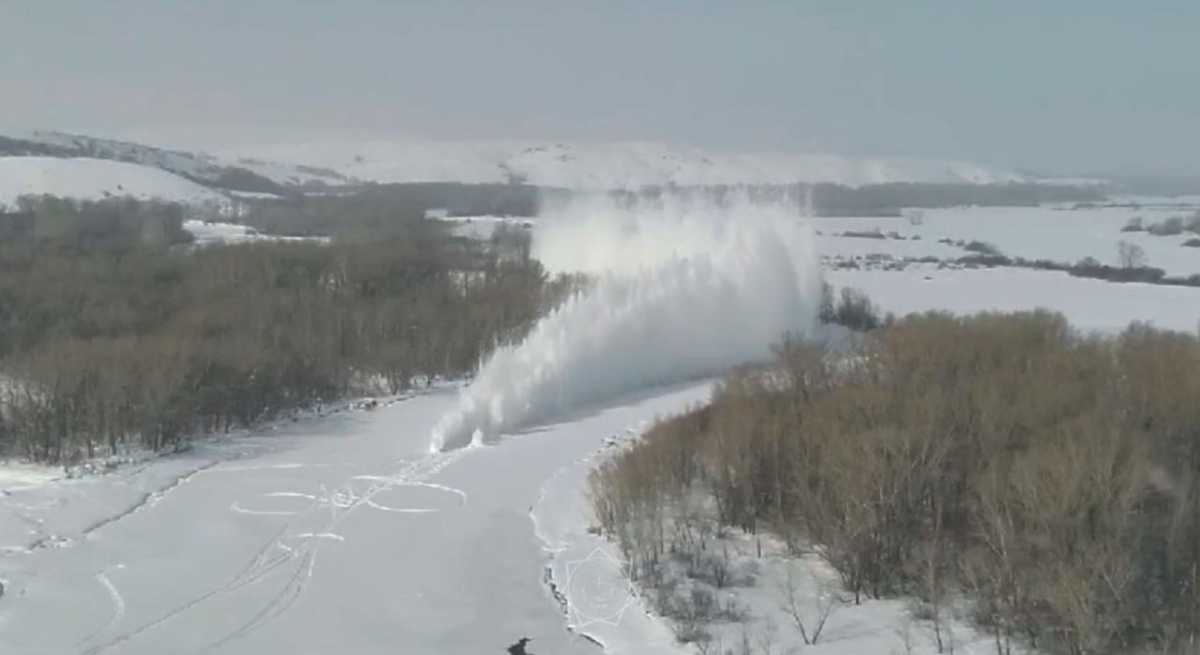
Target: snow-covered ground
x=1058 y=234
x=16 y=475
x=603 y=604
x=193 y=165
x=94 y=179
x=608 y=165
x=481 y=227
x=216 y=232
x=1089 y=304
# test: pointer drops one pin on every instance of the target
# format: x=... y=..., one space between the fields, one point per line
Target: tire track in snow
x=304 y=553
x=118 y=603
x=413 y=474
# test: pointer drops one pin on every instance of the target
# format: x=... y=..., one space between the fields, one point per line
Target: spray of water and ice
x=685 y=286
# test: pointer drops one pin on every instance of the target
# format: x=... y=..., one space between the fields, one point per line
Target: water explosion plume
x=687 y=285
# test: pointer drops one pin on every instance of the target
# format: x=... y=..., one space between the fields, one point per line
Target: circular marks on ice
x=395 y=495
x=597 y=590
x=400 y=496
x=274 y=504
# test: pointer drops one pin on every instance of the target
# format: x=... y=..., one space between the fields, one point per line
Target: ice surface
x=328 y=560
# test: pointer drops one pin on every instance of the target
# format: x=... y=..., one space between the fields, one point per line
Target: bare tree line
x=1049 y=478
x=111 y=334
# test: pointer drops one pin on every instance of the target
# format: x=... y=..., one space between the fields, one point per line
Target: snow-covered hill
x=245 y=174
x=590 y=166
x=93 y=179
x=612 y=165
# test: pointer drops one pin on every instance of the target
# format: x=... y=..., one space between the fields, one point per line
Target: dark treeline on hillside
x=112 y=333
x=892 y=199
x=188 y=165
x=374 y=209
x=1051 y=478
x=1158 y=185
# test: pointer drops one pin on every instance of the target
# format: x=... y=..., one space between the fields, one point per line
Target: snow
x=1057 y=234
x=1063 y=235
x=344 y=533
x=290 y=174
x=216 y=232
x=254 y=195
x=94 y=179
x=599 y=600
x=19 y=476
x=334 y=163
x=178 y=162
x=1089 y=304
x=481 y=227
x=685 y=287
x=154 y=559
x=609 y=165
x=585 y=569
x=192 y=165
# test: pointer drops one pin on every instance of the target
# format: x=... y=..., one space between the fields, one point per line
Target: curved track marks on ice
x=298 y=553
x=236 y=507
x=118 y=603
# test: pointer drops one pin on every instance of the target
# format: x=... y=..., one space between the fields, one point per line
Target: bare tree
x=1130 y=255
x=824 y=602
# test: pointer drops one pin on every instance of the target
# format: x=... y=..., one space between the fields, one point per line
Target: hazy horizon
x=1077 y=88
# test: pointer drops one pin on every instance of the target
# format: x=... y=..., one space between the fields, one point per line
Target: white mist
x=687 y=286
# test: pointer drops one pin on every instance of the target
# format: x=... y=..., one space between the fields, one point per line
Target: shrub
x=987 y=261
x=1193 y=223
x=856 y=311
x=1047 y=475
x=1134 y=224
x=1131 y=255
x=865 y=234
x=1171 y=227
x=121 y=338
x=982 y=247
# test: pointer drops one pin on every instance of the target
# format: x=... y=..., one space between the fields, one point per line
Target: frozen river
x=333 y=535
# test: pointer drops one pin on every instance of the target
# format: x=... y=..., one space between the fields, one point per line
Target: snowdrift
x=686 y=286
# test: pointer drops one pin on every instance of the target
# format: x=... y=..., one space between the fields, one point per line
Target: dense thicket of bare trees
x=1051 y=478
x=112 y=332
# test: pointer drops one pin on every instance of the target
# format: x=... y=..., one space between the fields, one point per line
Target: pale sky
x=1063 y=86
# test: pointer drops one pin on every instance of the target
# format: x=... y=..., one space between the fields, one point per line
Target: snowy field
x=1088 y=304
x=1056 y=234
